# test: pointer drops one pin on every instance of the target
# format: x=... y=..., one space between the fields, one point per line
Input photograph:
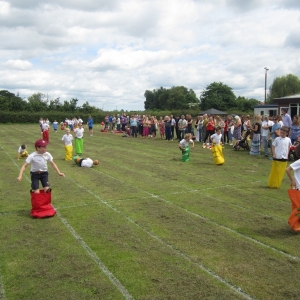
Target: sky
x=109 y=52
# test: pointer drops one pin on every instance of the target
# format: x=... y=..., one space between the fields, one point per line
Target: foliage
x=177 y=97
x=220 y=96
x=284 y=86
x=217 y=95
x=39 y=102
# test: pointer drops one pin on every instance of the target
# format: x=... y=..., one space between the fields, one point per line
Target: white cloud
x=17 y=64
x=109 y=52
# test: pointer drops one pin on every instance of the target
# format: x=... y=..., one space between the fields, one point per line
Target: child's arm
x=56 y=169
x=289 y=174
x=19 y=155
x=21 y=171
x=193 y=143
x=273 y=151
x=180 y=146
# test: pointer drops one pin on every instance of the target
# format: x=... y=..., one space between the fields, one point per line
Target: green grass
x=144 y=225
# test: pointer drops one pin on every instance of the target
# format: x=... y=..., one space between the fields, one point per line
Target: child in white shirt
x=39 y=168
x=184 y=146
x=67 y=140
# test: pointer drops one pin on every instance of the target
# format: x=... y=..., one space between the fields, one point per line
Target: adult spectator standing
x=210 y=129
x=133 y=126
x=118 y=123
x=173 y=123
x=265 y=132
x=255 y=145
x=176 y=128
x=182 y=125
x=90 y=124
x=237 y=130
x=205 y=120
x=110 y=119
x=295 y=129
x=286 y=118
x=168 y=128
x=190 y=124
x=124 y=122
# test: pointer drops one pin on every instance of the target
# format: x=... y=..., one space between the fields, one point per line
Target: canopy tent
x=213 y=111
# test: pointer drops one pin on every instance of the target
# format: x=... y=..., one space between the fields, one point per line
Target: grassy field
x=144 y=225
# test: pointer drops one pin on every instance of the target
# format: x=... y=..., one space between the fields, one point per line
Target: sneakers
x=266 y=155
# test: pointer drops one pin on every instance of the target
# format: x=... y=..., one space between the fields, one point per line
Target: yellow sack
x=69 y=152
x=217 y=154
x=277 y=173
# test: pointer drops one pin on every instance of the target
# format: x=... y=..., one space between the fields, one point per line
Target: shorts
x=90 y=127
x=35 y=178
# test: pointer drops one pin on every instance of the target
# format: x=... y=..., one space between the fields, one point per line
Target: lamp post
x=266 y=84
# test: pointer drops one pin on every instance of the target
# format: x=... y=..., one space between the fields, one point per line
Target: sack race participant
x=85 y=162
x=184 y=146
x=41 y=204
x=62 y=126
x=45 y=131
x=294 y=192
x=280 y=151
x=22 y=152
x=217 y=151
x=67 y=140
x=79 y=139
x=40 y=199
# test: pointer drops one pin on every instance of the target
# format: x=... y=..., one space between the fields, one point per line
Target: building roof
x=290 y=97
x=266 y=106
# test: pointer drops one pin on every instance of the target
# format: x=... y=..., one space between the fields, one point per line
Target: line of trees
x=39 y=102
x=216 y=95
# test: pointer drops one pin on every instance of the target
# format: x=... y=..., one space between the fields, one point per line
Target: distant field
x=144 y=225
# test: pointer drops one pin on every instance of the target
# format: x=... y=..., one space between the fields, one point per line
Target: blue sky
x=108 y=52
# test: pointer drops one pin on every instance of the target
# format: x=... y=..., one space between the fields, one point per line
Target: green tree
x=217 y=95
x=55 y=105
x=245 y=104
x=11 y=102
x=177 y=97
x=37 y=102
x=283 y=86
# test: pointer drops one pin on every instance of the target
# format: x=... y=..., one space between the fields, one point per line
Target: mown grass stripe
x=201 y=266
x=87 y=249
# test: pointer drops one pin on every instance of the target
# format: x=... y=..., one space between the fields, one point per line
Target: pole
x=266 y=84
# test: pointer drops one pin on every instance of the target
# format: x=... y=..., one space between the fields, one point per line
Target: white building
x=268 y=109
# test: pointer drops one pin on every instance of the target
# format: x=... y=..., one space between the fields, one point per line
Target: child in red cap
x=39 y=168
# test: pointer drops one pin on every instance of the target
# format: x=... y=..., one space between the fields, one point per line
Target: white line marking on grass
x=89 y=251
x=96 y=259
x=202 y=267
x=212 y=222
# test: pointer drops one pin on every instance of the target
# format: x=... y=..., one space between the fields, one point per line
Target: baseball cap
x=40 y=143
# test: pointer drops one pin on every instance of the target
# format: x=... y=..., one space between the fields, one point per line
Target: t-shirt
x=265 y=132
x=296 y=167
x=216 y=138
x=184 y=143
x=39 y=161
x=87 y=162
x=20 y=150
x=67 y=138
x=182 y=124
x=79 y=132
x=282 y=147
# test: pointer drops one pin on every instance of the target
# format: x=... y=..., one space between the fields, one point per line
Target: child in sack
x=39 y=168
x=184 y=146
x=22 y=151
